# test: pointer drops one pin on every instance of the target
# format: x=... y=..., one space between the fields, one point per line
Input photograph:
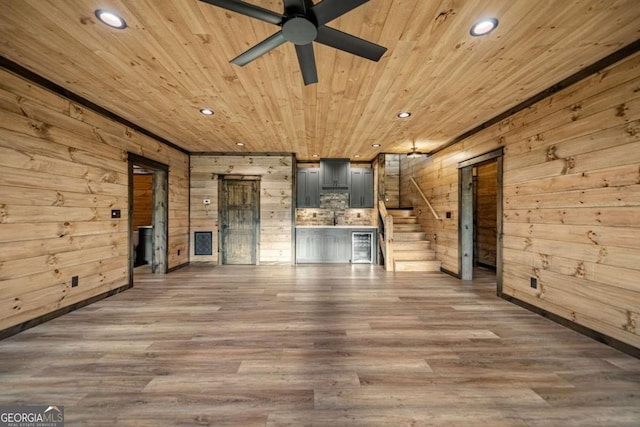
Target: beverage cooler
x=362 y=247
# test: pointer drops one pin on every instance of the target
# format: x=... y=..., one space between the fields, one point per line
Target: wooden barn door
x=239 y=221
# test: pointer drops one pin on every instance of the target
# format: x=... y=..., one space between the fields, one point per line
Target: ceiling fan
x=302 y=23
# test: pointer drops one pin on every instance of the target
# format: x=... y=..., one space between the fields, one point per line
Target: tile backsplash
x=334 y=210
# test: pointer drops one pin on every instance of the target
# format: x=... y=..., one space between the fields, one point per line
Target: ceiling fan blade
x=307 y=61
x=299 y=6
x=248 y=10
x=352 y=44
x=260 y=49
x=328 y=10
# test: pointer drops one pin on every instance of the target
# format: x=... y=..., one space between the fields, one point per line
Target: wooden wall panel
x=392 y=180
x=142 y=201
x=276 y=198
x=571 y=200
x=486 y=213
x=62 y=169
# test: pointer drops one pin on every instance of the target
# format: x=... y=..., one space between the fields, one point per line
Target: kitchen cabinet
x=326 y=244
x=323 y=245
x=336 y=245
x=308 y=188
x=335 y=174
x=361 y=191
x=309 y=245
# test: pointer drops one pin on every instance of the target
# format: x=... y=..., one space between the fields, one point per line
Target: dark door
x=239 y=221
x=308 y=188
x=335 y=173
x=485 y=221
x=361 y=192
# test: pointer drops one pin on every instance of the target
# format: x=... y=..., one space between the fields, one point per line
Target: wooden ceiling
x=173 y=59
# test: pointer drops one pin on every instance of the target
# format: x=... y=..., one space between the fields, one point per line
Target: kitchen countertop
x=337 y=226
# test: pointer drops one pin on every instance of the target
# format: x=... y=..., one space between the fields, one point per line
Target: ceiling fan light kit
x=414 y=153
x=303 y=23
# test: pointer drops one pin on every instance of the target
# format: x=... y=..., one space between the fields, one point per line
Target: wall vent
x=203 y=241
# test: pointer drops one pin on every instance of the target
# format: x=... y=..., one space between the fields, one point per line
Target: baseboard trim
x=178 y=267
x=13 y=330
x=591 y=333
x=487 y=266
x=450 y=273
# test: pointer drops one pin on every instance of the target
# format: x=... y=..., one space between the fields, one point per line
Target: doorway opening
x=148 y=216
x=480 y=207
x=239 y=201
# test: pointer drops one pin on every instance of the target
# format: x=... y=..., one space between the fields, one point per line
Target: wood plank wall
x=571 y=200
x=63 y=168
x=486 y=210
x=276 y=198
x=392 y=180
x=142 y=201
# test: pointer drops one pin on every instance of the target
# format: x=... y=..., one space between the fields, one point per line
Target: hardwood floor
x=331 y=345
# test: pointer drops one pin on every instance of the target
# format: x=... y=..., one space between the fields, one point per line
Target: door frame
x=466 y=214
x=256 y=223
x=160 y=218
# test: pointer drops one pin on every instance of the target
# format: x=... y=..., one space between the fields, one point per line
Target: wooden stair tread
x=413 y=245
x=405 y=220
x=401 y=212
x=412 y=251
x=417 y=265
x=411 y=235
x=415 y=255
x=403 y=228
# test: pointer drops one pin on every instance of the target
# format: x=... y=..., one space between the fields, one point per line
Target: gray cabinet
x=325 y=245
x=361 y=191
x=308 y=188
x=335 y=174
x=336 y=245
x=309 y=245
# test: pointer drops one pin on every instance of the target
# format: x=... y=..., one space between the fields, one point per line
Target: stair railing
x=435 y=215
x=386 y=236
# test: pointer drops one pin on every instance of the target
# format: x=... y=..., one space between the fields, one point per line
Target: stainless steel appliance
x=362 y=247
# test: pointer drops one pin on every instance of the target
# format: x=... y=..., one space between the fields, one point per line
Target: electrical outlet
x=206 y=201
x=534 y=283
x=115 y=213
x=178 y=252
x=74 y=281
x=448 y=214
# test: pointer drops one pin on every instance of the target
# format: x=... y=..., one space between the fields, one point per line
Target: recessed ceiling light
x=240 y=144
x=315 y=155
x=111 y=19
x=404 y=114
x=356 y=155
x=483 y=27
x=376 y=145
x=207 y=111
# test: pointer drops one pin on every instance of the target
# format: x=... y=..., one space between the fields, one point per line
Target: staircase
x=411 y=249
